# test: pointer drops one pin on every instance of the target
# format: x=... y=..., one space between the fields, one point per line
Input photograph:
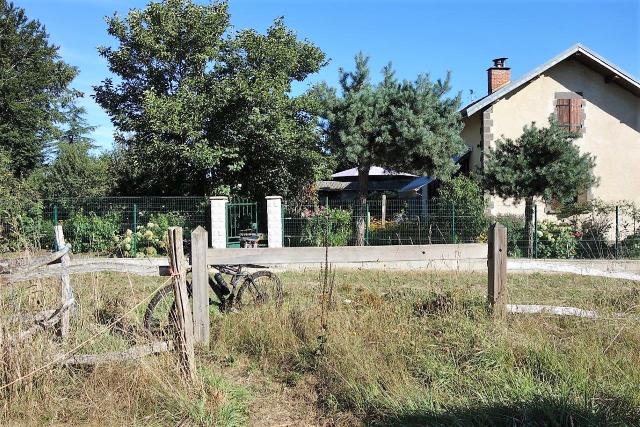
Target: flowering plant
x=556 y=240
x=149 y=239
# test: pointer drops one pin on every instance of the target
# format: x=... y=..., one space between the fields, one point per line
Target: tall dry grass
x=395 y=348
x=148 y=391
x=422 y=348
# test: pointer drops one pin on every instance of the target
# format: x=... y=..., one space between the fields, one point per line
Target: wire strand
x=66 y=355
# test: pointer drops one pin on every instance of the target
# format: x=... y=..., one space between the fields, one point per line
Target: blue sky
x=416 y=36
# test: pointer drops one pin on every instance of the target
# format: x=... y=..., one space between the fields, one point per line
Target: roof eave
x=495 y=96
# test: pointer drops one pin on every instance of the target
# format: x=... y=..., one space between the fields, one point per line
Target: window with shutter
x=569 y=113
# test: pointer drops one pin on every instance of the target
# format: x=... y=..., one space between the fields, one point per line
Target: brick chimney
x=498 y=75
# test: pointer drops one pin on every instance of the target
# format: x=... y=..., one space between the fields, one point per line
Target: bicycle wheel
x=259 y=288
x=159 y=317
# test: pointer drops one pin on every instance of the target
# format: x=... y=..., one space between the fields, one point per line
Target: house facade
x=587 y=94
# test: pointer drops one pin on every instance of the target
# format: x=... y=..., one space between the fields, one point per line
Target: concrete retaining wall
x=348 y=255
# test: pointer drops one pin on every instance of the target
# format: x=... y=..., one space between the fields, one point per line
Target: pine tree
x=542 y=162
x=33 y=82
x=76 y=128
x=402 y=125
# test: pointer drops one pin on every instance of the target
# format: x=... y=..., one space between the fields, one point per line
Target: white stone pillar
x=274 y=221
x=218 y=221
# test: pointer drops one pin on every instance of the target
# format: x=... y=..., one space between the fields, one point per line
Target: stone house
x=586 y=93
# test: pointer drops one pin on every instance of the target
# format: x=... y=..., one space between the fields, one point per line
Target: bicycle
x=244 y=290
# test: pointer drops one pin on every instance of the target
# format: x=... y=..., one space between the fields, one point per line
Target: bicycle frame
x=227 y=292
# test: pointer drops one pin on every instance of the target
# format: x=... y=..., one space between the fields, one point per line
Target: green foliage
x=516 y=236
x=211 y=105
x=402 y=125
x=33 y=83
x=75 y=173
x=542 y=162
x=88 y=232
x=555 y=240
x=76 y=126
x=326 y=226
x=22 y=225
x=150 y=239
x=466 y=196
x=631 y=246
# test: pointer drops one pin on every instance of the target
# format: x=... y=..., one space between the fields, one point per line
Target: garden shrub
x=556 y=240
x=92 y=233
x=400 y=230
x=316 y=231
x=594 y=222
x=462 y=197
x=150 y=239
x=630 y=246
x=516 y=236
x=592 y=237
x=22 y=225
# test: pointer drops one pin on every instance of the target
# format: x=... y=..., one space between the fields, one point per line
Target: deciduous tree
x=200 y=109
x=75 y=172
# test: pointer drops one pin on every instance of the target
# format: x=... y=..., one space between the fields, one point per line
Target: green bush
x=21 y=221
x=463 y=199
x=630 y=246
x=150 y=239
x=327 y=226
x=516 y=237
x=92 y=233
x=22 y=225
x=556 y=240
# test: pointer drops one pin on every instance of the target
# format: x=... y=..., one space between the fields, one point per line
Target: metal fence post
x=134 y=241
x=617 y=248
x=535 y=230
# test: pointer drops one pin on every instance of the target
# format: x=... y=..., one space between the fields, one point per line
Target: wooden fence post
x=66 y=291
x=200 y=285
x=184 y=321
x=497 y=266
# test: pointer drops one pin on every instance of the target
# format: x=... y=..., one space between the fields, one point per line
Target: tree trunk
x=528 y=225
x=361 y=205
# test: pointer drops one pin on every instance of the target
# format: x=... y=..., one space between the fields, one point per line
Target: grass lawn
x=413 y=348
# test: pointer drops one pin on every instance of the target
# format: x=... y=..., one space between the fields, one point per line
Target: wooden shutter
x=563 y=112
x=575 y=114
x=569 y=113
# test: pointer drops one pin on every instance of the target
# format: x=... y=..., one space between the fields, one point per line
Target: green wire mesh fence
x=393 y=222
x=594 y=232
x=118 y=226
x=135 y=226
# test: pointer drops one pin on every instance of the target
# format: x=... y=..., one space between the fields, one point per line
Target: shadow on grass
x=536 y=413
